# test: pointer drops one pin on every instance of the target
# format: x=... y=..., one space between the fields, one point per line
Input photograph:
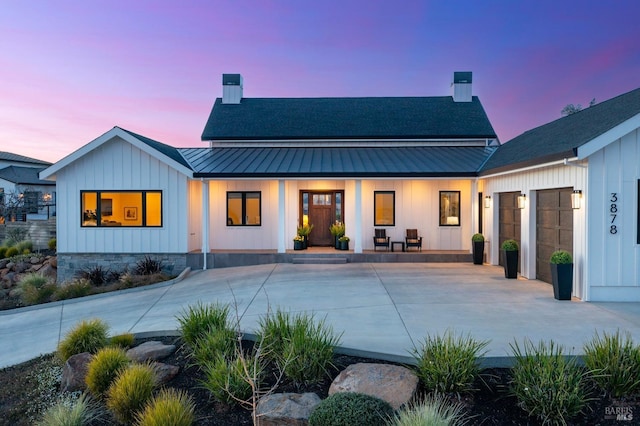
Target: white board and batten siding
x=113 y=166
x=613 y=269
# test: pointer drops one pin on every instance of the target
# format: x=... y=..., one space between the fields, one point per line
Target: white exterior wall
x=528 y=182
x=195 y=216
x=118 y=165
x=613 y=269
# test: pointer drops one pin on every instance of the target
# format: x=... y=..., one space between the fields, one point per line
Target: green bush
x=227 y=379
x=14 y=236
x=131 y=391
x=353 y=409
x=547 y=385
x=477 y=238
x=71 y=412
x=510 y=245
x=36 y=288
x=561 y=257
x=76 y=288
x=3 y=252
x=52 y=244
x=24 y=247
x=124 y=340
x=434 y=410
x=148 y=266
x=198 y=319
x=449 y=363
x=215 y=342
x=86 y=336
x=274 y=331
x=12 y=251
x=96 y=275
x=104 y=368
x=614 y=362
x=168 y=408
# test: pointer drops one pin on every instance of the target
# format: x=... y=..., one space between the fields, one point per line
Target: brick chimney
x=462 y=86
x=231 y=88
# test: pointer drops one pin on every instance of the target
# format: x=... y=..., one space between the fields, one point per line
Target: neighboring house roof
x=23 y=176
x=385 y=118
x=8 y=156
x=422 y=161
x=563 y=137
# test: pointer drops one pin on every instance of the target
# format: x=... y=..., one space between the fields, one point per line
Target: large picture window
x=121 y=208
x=243 y=209
x=384 y=208
x=449 y=208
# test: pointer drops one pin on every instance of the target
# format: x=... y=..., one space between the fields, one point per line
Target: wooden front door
x=322 y=209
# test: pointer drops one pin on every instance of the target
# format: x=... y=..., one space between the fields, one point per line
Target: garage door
x=554 y=225
x=509 y=219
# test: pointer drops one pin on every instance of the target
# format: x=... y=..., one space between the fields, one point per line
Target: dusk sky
x=71 y=70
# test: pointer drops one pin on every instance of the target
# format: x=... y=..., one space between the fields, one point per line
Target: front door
x=321 y=209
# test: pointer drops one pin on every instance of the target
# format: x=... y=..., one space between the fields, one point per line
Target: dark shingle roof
x=441 y=161
x=562 y=138
x=348 y=118
x=8 y=156
x=23 y=176
x=165 y=149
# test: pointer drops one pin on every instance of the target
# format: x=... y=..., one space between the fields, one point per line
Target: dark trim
x=480 y=211
x=243 y=199
x=143 y=208
x=375 y=202
x=528 y=163
x=333 y=175
x=440 y=208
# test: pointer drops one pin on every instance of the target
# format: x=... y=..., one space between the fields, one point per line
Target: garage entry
x=554 y=227
x=509 y=219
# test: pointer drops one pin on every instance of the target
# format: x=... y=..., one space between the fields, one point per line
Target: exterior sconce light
x=576 y=195
x=521 y=201
x=487 y=201
x=46 y=197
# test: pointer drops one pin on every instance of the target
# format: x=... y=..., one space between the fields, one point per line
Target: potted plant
x=304 y=232
x=477 y=241
x=298 y=242
x=344 y=242
x=337 y=230
x=561 y=264
x=510 y=252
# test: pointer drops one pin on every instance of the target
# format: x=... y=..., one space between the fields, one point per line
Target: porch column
x=282 y=220
x=357 y=246
x=474 y=206
x=205 y=222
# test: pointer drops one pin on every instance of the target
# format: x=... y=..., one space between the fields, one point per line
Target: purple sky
x=71 y=70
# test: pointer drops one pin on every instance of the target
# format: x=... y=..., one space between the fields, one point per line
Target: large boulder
x=164 y=372
x=74 y=372
x=392 y=383
x=286 y=409
x=48 y=271
x=150 y=351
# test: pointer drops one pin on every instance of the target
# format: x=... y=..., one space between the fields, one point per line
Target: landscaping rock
x=286 y=409
x=49 y=271
x=53 y=261
x=35 y=260
x=21 y=267
x=74 y=372
x=391 y=383
x=152 y=351
x=3 y=263
x=164 y=372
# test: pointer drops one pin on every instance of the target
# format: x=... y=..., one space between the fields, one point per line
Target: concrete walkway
x=381 y=308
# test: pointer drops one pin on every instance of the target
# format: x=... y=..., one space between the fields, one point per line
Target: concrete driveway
x=382 y=309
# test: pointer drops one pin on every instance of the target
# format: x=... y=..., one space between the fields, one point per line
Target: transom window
x=121 y=208
x=449 y=208
x=384 y=208
x=243 y=209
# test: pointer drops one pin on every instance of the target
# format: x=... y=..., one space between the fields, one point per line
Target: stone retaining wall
x=38 y=231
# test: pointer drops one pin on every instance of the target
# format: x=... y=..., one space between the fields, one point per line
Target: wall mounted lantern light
x=521 y=201
x=576 y=196
x=487 y=201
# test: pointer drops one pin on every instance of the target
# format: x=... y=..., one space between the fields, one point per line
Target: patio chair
x=381 y=239
x=413 y=240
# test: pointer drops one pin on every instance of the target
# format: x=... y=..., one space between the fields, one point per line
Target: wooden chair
x=381 y=239
x=413 y=240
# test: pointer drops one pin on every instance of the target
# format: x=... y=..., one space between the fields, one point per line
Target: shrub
x=198 y=319
x=124 y=341
x=226 y=379
x=434 y=410
x=11 y=251
x=148 y=266
x=76 y=288
x=52 y=244
x=353 y=409
x=130 y=391
x=561 y=257
x=3 y=252
x=510 y=245
x=169 y=408
x=70 y=412
x=36 y=288
x=547 y=385
x=14 y=236
x=104 y=368
x=477 y=238
x=274 y=330
x=215 y=342
x=449 y=363
x=614 y=362
x=24 y=247
x=96 y=275
x=86 y=336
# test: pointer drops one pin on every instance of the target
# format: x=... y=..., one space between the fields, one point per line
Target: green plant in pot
x=344 y=242
x=561 y=264
x=337 y=230
x=304 y=231
x=298 y=242
x=477 y=243
x=510 y=253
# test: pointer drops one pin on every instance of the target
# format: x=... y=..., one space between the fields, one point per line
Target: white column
x=474 y=206
x=205 y=222
x=282 y=217
x=357 y=246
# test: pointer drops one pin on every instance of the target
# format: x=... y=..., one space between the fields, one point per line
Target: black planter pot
x=562 y=280
x=344 y=245
x=478 y=252
x=510 y=262
x=298 y=245
x=305 y=242
x=337 y=242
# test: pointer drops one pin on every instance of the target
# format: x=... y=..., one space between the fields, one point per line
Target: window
x=31 y=199
x=243 y=209
x=384 y=208
x=449 y=208
x=121 y=208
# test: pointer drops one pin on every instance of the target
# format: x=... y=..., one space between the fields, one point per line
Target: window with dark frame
x=449 y=208
x=121 y=209
x=384 y=208
x=244 y=208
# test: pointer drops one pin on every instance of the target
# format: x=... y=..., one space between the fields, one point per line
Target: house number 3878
x=613 y=212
